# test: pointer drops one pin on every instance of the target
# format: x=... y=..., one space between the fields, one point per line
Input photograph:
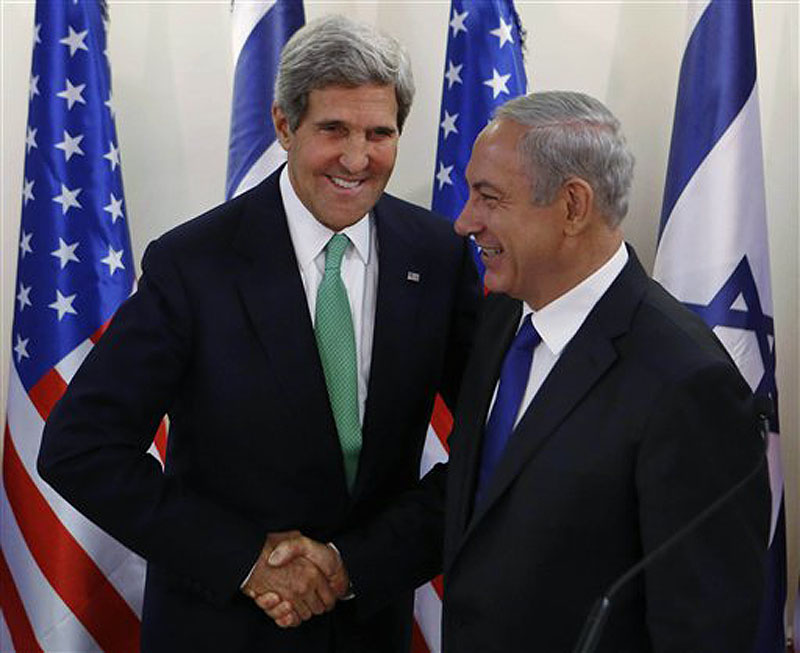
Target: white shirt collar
x=560 y=320
x=309 y=235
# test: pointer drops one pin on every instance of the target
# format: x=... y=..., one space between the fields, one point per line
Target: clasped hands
x=296 y=578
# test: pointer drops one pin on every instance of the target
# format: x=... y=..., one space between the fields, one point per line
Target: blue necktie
x=513 y=380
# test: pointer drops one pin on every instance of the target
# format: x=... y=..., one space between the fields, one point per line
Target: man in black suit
x=597 y=417
x=289 y=408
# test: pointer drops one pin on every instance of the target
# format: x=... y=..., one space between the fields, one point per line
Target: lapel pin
x=412 y=276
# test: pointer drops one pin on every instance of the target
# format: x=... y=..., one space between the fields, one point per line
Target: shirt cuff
x=351 y=594
x=252 y=569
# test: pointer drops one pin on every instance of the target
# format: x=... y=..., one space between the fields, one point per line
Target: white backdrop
x=172 y=75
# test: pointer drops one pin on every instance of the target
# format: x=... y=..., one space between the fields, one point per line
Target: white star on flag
x=70 y=145
x=466 y=106
x=443 y=176
x=30 y=139
x=66 y=253
x=453 y=74
x=23 y=297
x=62 y=296
x=63 y=305
x=114 y=208
x=68 y=199
x=33 y=88
x=113 y=260
x=449 y=124
x=110 y=103
x=21 y=348
x=27 y=191
x=112 y=155
x=503 y=33
x=25 y=244
x=458 y=22
x=497 y=83
x=72 y=94
x=75 y=41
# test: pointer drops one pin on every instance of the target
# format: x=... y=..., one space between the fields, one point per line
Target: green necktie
x=337 y=349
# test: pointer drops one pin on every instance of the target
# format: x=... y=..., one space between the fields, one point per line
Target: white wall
x=172 y=80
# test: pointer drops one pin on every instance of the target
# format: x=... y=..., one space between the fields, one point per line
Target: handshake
x=296 y=578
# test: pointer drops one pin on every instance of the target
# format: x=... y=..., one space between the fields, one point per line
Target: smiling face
x=522 y=246
x=343 y=151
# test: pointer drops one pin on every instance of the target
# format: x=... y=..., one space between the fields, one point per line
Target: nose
x=466 y=224
x=355 y=154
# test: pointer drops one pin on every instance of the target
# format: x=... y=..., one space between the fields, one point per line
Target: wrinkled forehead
x=379 y=100
x=497 y=146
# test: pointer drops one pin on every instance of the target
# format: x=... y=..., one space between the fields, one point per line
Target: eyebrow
x=484 y=185
x=329 y=123
x=338 y=123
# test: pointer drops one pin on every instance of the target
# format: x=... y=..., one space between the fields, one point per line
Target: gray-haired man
x=597 y=417
x=297 y=337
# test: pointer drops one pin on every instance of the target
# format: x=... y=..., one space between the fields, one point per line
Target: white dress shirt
x=359 y=272
x=559 y=321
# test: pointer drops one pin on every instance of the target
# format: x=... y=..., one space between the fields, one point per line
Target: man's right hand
x=302 y=588
x=289 y=550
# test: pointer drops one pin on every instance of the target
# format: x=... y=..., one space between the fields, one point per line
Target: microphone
x=593 y=626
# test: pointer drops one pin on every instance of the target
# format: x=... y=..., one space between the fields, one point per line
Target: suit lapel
x=396 y=313
x=274 y=298
x=496 y=333
x=585 y=360
x=581 y=364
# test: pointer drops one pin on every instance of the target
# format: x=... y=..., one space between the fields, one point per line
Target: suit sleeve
x=95 y=442
x=468 y=301
x=700 y=441
x=402 y=548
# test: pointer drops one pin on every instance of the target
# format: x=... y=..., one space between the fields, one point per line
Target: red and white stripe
x=66 y=584
x=427 y=635
x=69 y=586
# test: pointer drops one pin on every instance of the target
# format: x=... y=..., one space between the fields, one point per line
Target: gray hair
x=573 y=135
x=336 y=51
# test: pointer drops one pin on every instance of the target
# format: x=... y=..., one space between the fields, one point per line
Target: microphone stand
x=595 y=622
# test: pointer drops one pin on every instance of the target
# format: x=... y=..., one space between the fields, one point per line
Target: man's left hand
x=299 y=549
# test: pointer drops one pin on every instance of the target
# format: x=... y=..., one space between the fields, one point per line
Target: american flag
x=260 y=30
x=713 y=252
x=484 y=68
x=67 y=585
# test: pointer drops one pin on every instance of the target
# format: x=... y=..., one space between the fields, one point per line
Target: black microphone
x=593 y=626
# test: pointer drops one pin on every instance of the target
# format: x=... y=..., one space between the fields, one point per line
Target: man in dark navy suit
x=296 y=336
x=597 y=416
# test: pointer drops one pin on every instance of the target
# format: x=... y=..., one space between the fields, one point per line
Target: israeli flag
x=260 y=30
x=713 y=252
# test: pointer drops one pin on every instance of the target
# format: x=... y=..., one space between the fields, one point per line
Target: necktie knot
x=527 y=337
x=334 y=251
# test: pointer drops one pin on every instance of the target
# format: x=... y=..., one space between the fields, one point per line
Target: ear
x=578 y=196
x=282 y=130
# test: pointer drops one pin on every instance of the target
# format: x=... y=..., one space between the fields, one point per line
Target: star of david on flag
x=713 y=252
x=66 y=585
x=483 y=69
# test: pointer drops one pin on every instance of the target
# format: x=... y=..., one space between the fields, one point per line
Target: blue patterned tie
x=513 y=380
x=333 y=326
